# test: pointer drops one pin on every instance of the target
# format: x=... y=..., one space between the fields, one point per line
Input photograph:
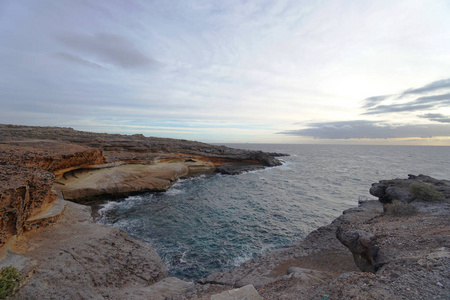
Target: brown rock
x=362 y=245
x=120 y=180
x=78 y=259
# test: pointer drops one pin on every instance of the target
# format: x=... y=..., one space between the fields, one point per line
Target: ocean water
x=216 y=222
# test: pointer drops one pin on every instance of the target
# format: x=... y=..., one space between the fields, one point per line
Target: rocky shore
x=394 y=248
x=37 y=161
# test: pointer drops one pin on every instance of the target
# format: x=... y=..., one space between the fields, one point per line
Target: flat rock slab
x=78 y=259
x=168 y=288
x=120 y=180
x=247 y=292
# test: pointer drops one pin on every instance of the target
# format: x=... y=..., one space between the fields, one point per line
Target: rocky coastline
x=369 y=252
x=36 y=162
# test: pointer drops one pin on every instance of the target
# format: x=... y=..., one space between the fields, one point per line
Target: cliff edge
x=397 y=247
x=35 y=162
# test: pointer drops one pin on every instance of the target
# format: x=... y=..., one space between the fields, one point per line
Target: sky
x=275 y=71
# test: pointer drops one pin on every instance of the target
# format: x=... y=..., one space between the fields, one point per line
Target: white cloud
x=272 y=62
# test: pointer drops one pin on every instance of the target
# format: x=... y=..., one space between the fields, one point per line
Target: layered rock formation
x=24 y=192
x=87 y=165
x=76 y=258
x=363 y=254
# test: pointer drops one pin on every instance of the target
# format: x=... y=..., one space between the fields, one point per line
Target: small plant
x=425 y=193
x=9 y=281
x=399 y=208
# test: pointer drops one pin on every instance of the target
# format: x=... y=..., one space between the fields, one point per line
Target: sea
x=216 y=222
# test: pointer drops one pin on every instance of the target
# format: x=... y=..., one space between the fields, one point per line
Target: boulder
x=362 y=245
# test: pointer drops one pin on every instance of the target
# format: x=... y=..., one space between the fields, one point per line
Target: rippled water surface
x=216 y=222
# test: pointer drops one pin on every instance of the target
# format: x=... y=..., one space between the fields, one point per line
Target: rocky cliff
x=366 y=253
x=378 y=250
x=393 y=248
x=83 y=165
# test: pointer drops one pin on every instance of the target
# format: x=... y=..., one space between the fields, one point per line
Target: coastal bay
x=307 y=267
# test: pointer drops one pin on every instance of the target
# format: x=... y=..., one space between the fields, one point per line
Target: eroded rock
x=362 y=245
x=399 y=189
x=78 y=259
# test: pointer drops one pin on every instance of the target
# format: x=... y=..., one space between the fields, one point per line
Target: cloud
x=372 y=101
x=437 y=118
x=374 y=105
x=407 y=107
x=105 y=47
x=443 y=99
x=361 y=129
x=77 y=60
x=421 y=103
x=431 y=87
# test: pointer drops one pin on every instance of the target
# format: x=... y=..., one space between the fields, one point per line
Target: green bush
x=399 y=208
x=9 y=281
x=425 y=192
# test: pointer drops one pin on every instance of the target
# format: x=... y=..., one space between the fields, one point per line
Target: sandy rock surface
x=120 y=180
x=77 y=259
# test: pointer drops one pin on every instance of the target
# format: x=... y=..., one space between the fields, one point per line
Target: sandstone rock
x=78 y=259
x=165 y=289
x=120 y=181
x=197 y=167
x=50 y=215
x=247 y=292
x=31 y=157
x=135 y=144
x=24 y=192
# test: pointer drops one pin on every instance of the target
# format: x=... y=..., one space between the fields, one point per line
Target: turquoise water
x=216 y=222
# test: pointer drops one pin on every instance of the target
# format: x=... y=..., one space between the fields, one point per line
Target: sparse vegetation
x=9 y=281
x=425 y=193
x=399 y=208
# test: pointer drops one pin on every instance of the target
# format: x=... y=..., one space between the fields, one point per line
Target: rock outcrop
x=78 y=259
x=363 y=254
x=400 y=189
x=137 y=148
x=24 y=192
x=301 y=270
x=362 y=245
x=87 y=165
x=397 y=257
x=121 y=180
x=75 y=258
x=408 y=256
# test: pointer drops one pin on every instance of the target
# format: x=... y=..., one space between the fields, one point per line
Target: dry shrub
x=399 y=208
x=425 y=193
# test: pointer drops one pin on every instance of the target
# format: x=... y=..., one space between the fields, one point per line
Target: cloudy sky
x=231 y=71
